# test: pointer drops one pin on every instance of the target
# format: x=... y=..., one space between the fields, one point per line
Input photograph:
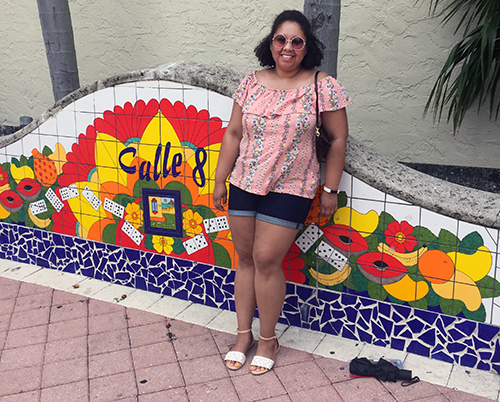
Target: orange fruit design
x=436 y=266
x=45 y=169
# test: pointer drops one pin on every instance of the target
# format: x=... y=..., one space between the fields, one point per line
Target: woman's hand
x=327 y=204
x=220 y=196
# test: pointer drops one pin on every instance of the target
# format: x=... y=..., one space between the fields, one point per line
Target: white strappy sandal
x=237 y=357
x=264 y=362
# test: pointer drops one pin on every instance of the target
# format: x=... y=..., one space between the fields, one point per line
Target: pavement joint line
x=281 y=328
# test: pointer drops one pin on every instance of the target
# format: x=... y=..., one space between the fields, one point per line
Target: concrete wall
x=390 y=54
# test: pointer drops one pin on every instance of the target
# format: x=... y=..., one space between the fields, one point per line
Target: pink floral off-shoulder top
x=277 y=148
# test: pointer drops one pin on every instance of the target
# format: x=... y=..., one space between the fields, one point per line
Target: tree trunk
x=325 y=20
x=55 y=19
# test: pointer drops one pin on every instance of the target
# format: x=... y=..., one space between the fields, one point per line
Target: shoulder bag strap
x=317 y=102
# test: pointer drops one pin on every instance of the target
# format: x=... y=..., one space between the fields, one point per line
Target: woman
x=268 y=150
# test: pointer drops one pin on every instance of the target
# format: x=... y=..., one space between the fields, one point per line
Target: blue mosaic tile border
x=451 y=339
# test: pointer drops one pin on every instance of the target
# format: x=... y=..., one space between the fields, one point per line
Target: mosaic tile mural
x=117 y=186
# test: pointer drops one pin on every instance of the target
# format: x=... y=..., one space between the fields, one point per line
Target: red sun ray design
x=129 y=121
x=191 y=125
x=81 y=159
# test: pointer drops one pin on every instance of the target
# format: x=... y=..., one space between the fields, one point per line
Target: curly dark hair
x=315 y=48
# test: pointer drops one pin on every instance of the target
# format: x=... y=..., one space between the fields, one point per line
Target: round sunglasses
x=280 y=41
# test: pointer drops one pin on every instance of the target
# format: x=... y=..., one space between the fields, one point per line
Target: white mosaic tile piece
x=220 y=106
x=365 y=191
x=104 y=99
x=85 y=104
x=435 y=222
x=66 y=124
x=125 y=93
x=401 y=212
x=172 y=94
x=197 y=97
x=48 y=128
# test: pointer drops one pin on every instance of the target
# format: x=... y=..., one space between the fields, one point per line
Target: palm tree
x=57 y=31
x=472 y=71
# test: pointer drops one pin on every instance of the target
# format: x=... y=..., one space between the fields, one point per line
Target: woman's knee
x=245 y=261
x=266 y=263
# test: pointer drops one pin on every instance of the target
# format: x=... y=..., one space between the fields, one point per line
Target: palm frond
x=471 y=72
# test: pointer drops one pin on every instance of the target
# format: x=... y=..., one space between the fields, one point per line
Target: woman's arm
x=227 y=157
x=335 y=123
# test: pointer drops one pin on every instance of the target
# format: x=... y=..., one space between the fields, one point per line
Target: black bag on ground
x=382 y=370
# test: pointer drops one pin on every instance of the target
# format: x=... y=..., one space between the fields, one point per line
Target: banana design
x=407 y=259
x=41 y=223
x=331 y=279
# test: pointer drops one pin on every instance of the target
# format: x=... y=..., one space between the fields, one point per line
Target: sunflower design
x=163 y=244
x=134 y=214
x=192 y=223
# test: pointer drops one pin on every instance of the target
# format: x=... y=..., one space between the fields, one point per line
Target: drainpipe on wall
x=324 y=16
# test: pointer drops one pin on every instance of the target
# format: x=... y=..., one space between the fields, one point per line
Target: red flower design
x=292 y=265
x=191 y=126
x=127 y=122
x=398 y=236
x=4 y=177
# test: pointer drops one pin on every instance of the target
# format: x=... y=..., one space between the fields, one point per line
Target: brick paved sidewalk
x=61 y=346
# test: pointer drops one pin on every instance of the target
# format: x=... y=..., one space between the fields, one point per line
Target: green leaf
x=448 y=242
x=451 y=307
x=488 y=287
x=148 y=242
x=221 y=256
x=23 y=161
x=471 y=243
x=341 y=199
x=357 y=280
x=423 y=235
x=178 y=246
x=28 y=222
x=186 y=196
x=433 y=299
x=384 y=220
x=204 y=211
x=478 y=315
x=123 y=199
x=393 y=300
x=140 y=184
x=47 y=151
x=109 y=234
x=421 y=304
x=373 y=243
x=376 y=291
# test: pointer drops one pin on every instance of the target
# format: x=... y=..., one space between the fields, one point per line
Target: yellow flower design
x=134 y=214
x=163 y=244
x=192 y=223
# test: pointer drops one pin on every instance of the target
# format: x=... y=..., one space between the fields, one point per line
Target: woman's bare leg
x=243 y=232
x=270 y=247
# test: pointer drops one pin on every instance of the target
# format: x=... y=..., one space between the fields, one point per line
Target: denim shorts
x=281 y=209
